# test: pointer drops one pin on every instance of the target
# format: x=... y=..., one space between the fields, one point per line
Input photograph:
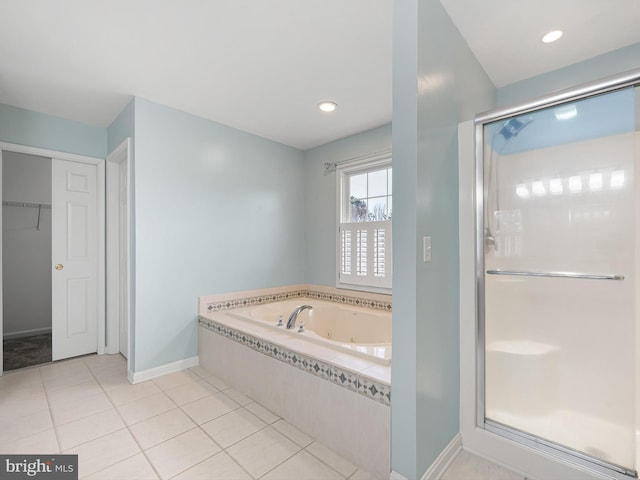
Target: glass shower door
x=559 y=267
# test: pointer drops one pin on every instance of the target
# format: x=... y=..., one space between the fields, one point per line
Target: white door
x=74 y=258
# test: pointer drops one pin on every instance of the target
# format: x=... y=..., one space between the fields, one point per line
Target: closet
x=26 y=260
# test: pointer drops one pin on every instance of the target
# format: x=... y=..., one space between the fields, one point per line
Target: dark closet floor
x=26 y=351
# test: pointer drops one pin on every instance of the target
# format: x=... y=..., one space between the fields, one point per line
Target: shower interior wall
x=555 y=360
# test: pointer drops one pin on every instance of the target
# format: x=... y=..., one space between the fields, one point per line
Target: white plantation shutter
x=365 y=253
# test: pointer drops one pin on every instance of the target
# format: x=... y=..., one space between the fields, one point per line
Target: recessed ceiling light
x=327 y=106
x=552 y=36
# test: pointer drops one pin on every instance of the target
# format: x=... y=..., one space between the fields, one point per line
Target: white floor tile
x=101 y=361
x=130 y=393
x=302 y=465
x=181 y=453
x=133 y=468
x=162 y=427
x=200 y=371
x=292 y=433
x=331 y=458
x=23 y=403
x=257 y=441
x=237 y=396
x=65 y=412
x=42 y=442
x=104 y=451
x=263 y=451
x=190 y=392
x=65 y=374
x=362 y=475
x=19 y=378
x=19 y=389
x=74 y=393
x=62 y=368
x=468 y=466
x=262 y=413
x=219 y=467
x=111 y=378
x=172 y=380
x=139 y=410
x=14 y=427
x=88 y=428
x=216 y=382
x=208 y=408
x=233 y=427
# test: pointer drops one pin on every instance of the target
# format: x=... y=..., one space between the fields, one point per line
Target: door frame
x=119 y=158
x=100 y=172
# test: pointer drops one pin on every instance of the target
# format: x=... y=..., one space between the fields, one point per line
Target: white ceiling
x=262 y=66
x=505 y=35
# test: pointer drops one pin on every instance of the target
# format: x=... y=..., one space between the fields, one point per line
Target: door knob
x=59 y=266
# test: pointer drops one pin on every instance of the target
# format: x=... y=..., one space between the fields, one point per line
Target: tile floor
x=187 y=425
x=467 y=466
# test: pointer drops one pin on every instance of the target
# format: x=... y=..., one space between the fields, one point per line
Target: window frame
x=344 y=170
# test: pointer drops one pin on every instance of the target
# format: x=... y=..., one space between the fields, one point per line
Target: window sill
x=364 y=288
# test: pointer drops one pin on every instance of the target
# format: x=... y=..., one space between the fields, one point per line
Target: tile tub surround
x=343 y=368
x=226 y=301
x=353 y=424
x=305 y=388
x=353 y=373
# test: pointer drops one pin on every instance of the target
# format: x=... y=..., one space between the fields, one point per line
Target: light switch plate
x=426 y=249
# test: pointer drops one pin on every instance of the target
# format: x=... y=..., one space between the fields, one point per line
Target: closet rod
x=25 y=204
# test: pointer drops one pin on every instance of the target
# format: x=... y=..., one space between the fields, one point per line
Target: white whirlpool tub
x=364 y=332
x=331 y=381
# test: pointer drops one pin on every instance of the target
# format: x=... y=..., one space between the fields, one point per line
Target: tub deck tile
x=356 y=382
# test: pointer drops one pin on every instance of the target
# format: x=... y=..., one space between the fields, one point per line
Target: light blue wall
x=437 y=84
x=217 y=210
x=33 y=129
x=321 y=197
x=595 y=68
x=404 y=447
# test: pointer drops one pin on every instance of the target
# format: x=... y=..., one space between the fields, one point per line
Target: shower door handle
x=585 y=276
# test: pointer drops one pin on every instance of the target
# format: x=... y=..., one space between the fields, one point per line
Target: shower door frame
x=518 y=450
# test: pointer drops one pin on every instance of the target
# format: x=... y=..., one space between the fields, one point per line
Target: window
x=364 y=230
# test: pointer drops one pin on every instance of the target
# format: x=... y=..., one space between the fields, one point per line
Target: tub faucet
x=292 y=318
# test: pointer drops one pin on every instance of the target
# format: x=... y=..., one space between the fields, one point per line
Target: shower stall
x=557 y=195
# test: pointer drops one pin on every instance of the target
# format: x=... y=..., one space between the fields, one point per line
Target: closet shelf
x=25 y=204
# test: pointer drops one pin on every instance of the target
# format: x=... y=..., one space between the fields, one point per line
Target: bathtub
x=363 y=332
x=332 y=381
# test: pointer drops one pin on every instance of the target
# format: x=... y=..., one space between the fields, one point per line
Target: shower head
x=513 y=127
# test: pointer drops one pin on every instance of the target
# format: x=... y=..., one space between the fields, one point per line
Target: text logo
x=25 y=467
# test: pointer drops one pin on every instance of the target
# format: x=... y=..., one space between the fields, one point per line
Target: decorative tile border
x=256 y=300
x=351 y=381
x=308 y=293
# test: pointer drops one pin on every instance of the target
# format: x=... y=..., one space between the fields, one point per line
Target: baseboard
x=440 y=464
x=141 y=376
x=397 y=476
x=27 y=333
